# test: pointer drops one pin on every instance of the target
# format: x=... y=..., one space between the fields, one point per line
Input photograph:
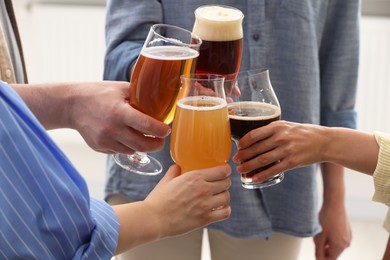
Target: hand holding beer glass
x=168 y=52
x=256 y=107
x=200 y=131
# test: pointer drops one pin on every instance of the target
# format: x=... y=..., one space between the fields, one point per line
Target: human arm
x=294 y=145
x=124 y=36
x=338 y=60
x=46 y=212
x=336 y=232
x=170 y=209
x=99 y=111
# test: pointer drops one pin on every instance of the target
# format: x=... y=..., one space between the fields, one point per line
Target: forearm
x=352 y=149
x=50 y=103
x=333 y=184
x=136 y=226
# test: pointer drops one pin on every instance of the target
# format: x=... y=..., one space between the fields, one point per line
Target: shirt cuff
x=381 y=174
x=344 y=118
x=104 y=237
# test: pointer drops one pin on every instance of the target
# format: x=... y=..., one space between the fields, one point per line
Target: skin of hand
x=292 y=145
x=99 y=111
x=177 y=205
x=387 y=251
x=336 y=234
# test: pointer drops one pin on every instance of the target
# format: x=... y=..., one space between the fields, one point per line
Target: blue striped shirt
x=45 y=209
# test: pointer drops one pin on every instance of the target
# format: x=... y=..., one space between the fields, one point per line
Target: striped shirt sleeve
x=45 y=209
x=382 y=171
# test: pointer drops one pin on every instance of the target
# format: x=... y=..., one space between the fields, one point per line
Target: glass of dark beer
x=168 y=52
x=220 y=28
x=257 y=106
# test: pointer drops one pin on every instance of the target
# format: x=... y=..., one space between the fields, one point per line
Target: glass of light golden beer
x=200 y=130
x=220 y=28
x=257 y=106
x=168 y=52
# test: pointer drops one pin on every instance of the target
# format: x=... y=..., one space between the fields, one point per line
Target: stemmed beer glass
x=256 y=107
x=168 y=52
x=200 y=130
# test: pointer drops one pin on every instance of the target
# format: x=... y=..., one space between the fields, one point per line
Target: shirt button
x=255 y=36
x=8 y=73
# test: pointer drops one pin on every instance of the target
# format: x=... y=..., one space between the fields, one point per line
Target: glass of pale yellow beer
x=200 y=130
x=168 y=52
x=220 y=28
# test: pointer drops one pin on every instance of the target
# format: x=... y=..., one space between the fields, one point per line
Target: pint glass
x=220 y=28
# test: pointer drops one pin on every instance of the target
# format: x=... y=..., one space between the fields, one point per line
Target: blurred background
x=63 y=40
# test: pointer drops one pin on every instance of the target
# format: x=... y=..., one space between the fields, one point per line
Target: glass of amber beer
x=200 y=130
x=168 y=52
x=220 y=28
x=257 y=106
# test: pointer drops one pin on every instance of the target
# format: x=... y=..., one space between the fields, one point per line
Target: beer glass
x=256 y=107
x=220 y=28
x=168 y=52
x=200 y=130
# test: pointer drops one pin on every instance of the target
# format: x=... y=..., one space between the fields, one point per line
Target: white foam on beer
x=170 y=53
x=218 y=23
x=214 y=102
x=254 y=104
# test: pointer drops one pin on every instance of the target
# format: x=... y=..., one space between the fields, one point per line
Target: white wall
x=66 y=43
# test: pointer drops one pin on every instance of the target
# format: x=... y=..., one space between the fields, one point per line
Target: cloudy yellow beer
x=200 y=133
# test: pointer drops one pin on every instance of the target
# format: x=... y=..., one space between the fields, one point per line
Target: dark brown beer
x=220 y=57
x=220 y=28
x=155 y=81
x=247 y=116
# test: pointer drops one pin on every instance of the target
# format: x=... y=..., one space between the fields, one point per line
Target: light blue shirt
x=45 y=209
x=311 y=50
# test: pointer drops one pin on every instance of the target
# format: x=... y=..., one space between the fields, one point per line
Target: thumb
x=173 y=172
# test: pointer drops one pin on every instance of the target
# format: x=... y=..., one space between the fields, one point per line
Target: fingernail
x=168 y=132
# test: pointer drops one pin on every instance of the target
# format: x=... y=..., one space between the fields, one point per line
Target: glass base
x=139 y=163
x=248 y=184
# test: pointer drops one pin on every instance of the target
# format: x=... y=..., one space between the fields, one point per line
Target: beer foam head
x=169 y=53
x=201 y=103
x=253 y=110
x=218 y=23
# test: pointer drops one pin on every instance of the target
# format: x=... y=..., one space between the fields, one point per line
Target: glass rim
x=193 y=35
x=203 y=76
x=246 y=73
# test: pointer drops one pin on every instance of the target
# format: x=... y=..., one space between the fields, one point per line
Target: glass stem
x=139 y=158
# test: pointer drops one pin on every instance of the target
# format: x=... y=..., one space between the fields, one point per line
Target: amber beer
x=155 y=81
x=200 y=133
x=248 y=115
x=220 y=28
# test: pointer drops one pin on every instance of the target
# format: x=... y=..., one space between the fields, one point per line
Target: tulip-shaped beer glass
x=256 y=107
x=200 y=130
x=168 y=52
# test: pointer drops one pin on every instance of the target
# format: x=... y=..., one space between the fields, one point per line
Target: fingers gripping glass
x=256 y=107
x=168 y=52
